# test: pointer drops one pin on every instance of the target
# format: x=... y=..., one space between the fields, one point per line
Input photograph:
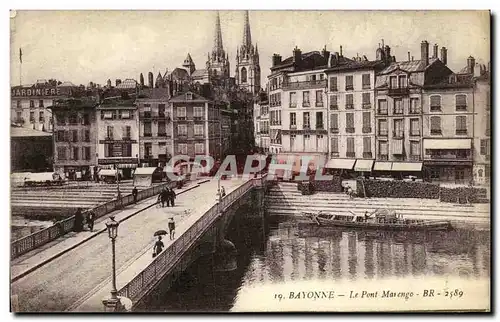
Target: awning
x=449 y=144
x=407 y=166
x=382 y=166
x=106 y=172
x=363 y=165
x=340 y=164
x=148 y=170
x=126 y=165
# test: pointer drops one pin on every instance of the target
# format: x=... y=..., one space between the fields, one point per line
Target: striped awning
x=340 y=164
x=126 y=165
x=407 y=166
x=107 y=172
x=447 y=144
x=382 y=166
x=363 y=165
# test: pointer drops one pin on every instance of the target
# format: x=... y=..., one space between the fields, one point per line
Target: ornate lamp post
x=113 y=304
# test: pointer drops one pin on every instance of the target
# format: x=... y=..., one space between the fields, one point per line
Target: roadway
x=67 y=279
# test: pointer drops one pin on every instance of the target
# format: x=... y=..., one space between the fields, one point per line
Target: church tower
x=247 y=72
x=218 y=61
x=189 y=65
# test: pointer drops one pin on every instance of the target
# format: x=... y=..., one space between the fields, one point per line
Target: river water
x=281 y=250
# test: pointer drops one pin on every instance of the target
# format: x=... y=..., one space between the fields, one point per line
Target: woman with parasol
x=158 y=247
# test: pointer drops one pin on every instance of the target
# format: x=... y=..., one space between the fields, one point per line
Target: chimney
x=150 y=80
x=471 y=62
x=408 y=56
x=118 y=82
x=297 y=55
x=325 y=53
x=435 y=52
x=411 y=58
x=276 y=59
x=108 y=83
x=444 y=55
x=341 y=51
x=424 y=52
x=387 y=50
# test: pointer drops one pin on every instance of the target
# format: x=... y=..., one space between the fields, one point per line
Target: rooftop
x=16 y=131
x=309 y=61
x=349 y=64
x=154 y=93
x=411 y=66
x=127 y=84
x=183 y=98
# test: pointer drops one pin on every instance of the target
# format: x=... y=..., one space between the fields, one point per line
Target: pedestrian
x=158 y=247
x=78 y=225
x=349 y=192
x=171 y=228
x=171 y=196
x=90 y=220
x=134 y=194
x=222 y=191
x=163 y=195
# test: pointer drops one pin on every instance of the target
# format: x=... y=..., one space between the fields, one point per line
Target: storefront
x=448 y=160
x=125 y=165
x=397 y=170
x=342 y=167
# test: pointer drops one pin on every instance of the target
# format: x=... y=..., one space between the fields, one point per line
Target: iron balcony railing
x=305 y=84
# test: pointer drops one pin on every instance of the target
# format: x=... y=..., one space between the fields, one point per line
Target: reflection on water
x=287 y=252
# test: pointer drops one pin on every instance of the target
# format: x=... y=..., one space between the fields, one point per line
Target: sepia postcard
x=250 y=161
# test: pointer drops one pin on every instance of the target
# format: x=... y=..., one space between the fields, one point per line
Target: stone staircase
x=285 y=199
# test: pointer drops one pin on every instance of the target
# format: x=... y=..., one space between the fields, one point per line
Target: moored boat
x=376 y=220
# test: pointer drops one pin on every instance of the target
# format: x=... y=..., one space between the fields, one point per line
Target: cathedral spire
x=218 y=47
x=247 y=36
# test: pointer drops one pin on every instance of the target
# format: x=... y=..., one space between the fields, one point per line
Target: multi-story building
x=261 y=121
x=118 y=134
x=29 y=103
x=297 y=90
x=482 y=127
x=75 y=134
x=155 y=126
x=351 y=110
x=30 y=150
x=196 y=127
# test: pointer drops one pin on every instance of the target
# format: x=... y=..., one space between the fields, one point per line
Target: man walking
x=158 y=247
x=171 y=196
x=78 y=225
x=90 y=220
x=171 y=228
x=134 y=194
x=163 y=197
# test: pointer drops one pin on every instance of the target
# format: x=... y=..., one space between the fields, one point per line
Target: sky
x=84 y=46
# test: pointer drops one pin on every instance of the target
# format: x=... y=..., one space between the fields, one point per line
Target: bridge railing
x=41 y=237
x=166 y=260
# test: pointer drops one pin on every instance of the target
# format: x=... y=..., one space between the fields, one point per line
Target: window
x=461 y=125
x=334 y=123
x=75 y=153
x=398 y=128
x=147 y=129
x=335 y=145
x=306 y=144
x=319 y=120
x=198 y=112
x=293 y=99
x=485 y=147
x=86 y=119
x=349 y=121
x=73 y=119
x=74 y=136
x=148 y=150
x=293 y=119
x=366 y=100
x=61 y=153
x=435 y=125
x=162 y=130
x=349 y=83
x=333 y=84
x=199 y=148
x=349 y=101
x=414 y=106
x=367 y=128
x=461 y=102
x=366 y=81
x=86 y=135
x=333 y=102
x=488 y=120
x=319 y=98
x=126 y=150
x=41 y=117
x=382 y=127
x=18 y=103
x=127 y=133
x=435 y=103
x=181 y=111
x=350 y=148
x=243 y=75
x=383 y=150
x=382 y=107
x=182 y=129
x=292 y=142
x=394 y=81
x=40 y=103
x=306 y=120
x=109 y=132
x=198 y=130
x=183 y=148
x=18 y=116
x=32 y=117
x=414 y=127
x=305 y=98
x=106 y=115
x=415 y=148
x=402 y=81
x=60 y=136
x=108 y=150
x=32 y=104
x=367 y=147
x=398 y=106
x=161 y=110
x=86 y=153
x=125 y=114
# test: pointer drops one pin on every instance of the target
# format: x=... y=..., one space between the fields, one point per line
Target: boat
x=381 y=220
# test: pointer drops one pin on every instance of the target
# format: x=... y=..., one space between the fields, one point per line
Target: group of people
x=81 y=220
x=167 y=195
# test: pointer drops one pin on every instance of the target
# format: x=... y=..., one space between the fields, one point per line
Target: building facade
x=261 y=121
x=247 y=73
x=75 y=135
x=155 y=127
x=482 y=127
x=30 y=150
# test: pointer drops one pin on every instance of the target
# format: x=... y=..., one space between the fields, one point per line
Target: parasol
x=160 y=232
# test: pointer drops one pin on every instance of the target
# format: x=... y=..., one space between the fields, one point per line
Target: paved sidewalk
x=36 y=258
x=64 y=281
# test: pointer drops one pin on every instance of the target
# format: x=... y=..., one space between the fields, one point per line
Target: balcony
x=304 y=85
x=334 y=89
x=319 y=104
x=461 y=108
x=306 y=104
x=461 y=131
x=148 y=135
x=383 y=157
x=334 y=154
x=367 y=155
x=382 y=111
x=334 y=107
x=181 y=118
x=293 y=105
x=349 y=106
x=367 y=129
x=400 y=91
x=415 y=133
x=200 y=118
x=162 y=134
x=350 y=154
x=436 y=132
x=398 y=134
x=415 y=158
x=320 y=127
x=435 y=108
x=334 y=130
x=19 y=120
x=414 y=111
x=367 y=106
x=398 y=112
x=293 y=126
x=366 y=86
x=306 y=127
x=350 y=130
x=349 y=87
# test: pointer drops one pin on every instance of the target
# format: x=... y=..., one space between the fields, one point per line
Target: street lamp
x=112 y=304
x=117 y=183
